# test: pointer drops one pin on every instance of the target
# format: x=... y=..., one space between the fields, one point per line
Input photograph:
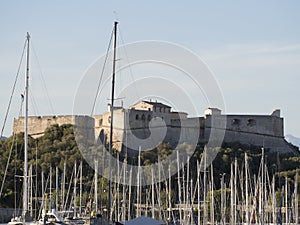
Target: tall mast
x=112 y=117
x=25 y=190
x=262 y=186
x=246 y=185
x=204 y=188
x=96 y=186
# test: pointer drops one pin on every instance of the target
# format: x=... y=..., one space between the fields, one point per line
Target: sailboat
x=25 y=214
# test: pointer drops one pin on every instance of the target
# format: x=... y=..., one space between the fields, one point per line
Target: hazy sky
x=253 y=48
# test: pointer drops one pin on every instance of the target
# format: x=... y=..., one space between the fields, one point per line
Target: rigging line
x=129 y=63
x=43 y=79
x=13 y=90
x=102 y=72
x=34 y=105
x=43 y=194
x=69 y=188
x=6 y=168
x=10 y=152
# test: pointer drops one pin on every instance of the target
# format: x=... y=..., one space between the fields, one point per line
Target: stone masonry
x=147 y=118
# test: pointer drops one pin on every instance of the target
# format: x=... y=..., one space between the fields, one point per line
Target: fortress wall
x=272 y=142
x=86 y=125
x=98 y=122
x=257 y=124
x=38 y=124
x=268 y=125
x=144 y=138
x=136 y=119
x=102 y=126
x=259 y=130
x=140 y=118
x=187 y=131
x=275 y=144
x=118 y=119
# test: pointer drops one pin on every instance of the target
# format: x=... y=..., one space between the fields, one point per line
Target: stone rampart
x=139 y=123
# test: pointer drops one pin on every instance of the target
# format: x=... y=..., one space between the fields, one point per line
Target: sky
x=252 y=48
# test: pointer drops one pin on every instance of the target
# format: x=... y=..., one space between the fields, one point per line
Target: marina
x=147 y=163
x=195 y=195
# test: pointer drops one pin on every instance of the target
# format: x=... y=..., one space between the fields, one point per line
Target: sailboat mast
x=112 y=116
x=25 y=190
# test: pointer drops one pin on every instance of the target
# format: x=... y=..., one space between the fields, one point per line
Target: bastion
x=143 y=123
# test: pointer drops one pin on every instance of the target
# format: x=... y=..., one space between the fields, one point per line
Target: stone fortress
x=147 y=121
